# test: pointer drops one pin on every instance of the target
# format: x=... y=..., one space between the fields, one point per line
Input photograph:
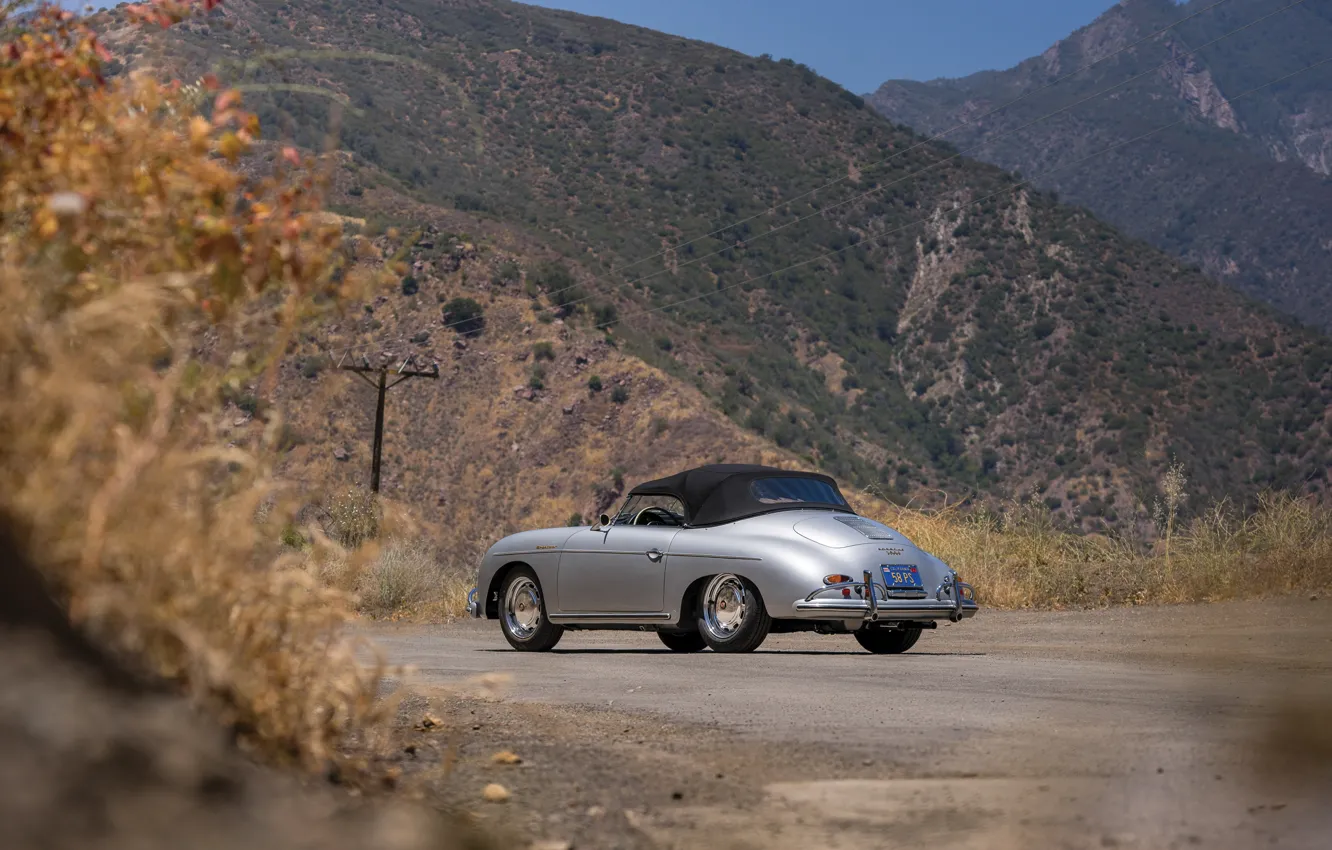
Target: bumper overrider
x=952 y=600
x=473 y=604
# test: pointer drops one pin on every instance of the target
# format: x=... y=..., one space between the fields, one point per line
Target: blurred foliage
x=126 y=233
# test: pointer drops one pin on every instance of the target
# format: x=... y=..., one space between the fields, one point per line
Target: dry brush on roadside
x=382 y=556
x=1020 y=558
x=400 y=577
x=412 y=575
x=126 y=232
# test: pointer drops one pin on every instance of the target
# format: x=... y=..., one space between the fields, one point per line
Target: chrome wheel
x=725 y=604
x=522 y=608
x=522 y=613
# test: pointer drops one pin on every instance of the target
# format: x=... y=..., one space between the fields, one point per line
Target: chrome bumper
x=473 y=605
x=953 y=600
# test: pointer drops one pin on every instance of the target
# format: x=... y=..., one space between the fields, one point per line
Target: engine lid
x=843 y=530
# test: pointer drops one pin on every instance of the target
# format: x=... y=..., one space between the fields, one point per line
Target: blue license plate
x=898 y=577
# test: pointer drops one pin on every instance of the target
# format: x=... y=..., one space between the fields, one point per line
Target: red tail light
x=836 y=579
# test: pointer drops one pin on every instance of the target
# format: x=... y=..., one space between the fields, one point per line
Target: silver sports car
x=720 y=557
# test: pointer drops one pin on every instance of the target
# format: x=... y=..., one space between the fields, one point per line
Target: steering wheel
x=655 y=516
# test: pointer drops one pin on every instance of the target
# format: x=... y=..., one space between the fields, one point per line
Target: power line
x=914 y=174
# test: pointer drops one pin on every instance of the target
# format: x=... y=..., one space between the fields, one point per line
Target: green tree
x=465 y=316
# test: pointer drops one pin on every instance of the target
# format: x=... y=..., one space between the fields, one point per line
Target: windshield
x=781 y=491
x=650 y=510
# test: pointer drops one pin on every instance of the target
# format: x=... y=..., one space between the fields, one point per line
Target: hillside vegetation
x=542 y=424
x=965 y=336
x=1241 y=187
x=515 y=436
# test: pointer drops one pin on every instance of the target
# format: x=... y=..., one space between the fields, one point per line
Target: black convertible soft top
x=727 y=492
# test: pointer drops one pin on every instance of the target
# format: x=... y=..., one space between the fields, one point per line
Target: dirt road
x=1147 y=727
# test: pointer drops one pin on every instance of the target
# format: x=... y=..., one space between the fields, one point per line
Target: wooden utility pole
x=402 y=373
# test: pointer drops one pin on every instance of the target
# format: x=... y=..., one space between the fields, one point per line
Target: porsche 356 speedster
x=719 y=557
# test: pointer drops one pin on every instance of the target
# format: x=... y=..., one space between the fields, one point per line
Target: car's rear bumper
x=859 y=609
x=952 y=600
x=473 y=604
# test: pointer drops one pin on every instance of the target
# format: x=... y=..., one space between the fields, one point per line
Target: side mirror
x=603 y=521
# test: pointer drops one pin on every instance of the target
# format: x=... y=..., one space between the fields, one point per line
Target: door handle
x=655 y=554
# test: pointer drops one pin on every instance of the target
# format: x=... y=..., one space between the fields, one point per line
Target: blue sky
x=861 y=43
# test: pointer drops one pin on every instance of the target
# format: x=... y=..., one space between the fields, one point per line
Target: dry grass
x=126 y=232
x=1018 y=558
x=402 y=577
x=412 y=577
x=352 y=518
x=386 y=561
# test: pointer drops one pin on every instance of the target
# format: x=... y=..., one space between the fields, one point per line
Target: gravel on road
x=1134 y=727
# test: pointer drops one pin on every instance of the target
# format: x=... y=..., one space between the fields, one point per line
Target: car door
x=615 y=570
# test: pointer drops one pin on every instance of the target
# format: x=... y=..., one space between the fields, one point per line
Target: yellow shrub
x=1018 y=558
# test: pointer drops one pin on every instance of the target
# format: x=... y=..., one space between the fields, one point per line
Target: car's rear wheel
x=683 y=641
x=523 y=613
x=888 y=641
x=732 y=617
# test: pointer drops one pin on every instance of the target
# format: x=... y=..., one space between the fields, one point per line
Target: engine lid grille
x=867 y=527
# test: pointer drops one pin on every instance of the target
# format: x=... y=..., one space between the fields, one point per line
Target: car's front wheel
x=683 y=641
x=523 y=613
x=732 y=617
x=888 y=641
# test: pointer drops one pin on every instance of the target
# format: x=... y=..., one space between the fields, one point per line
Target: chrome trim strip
x=619 y=552
x=568 y=551
x=678 y=554
x=610 y=618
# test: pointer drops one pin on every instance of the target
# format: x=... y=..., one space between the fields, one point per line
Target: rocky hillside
x=1242 y=187
x=920 y=323
x=534 y=420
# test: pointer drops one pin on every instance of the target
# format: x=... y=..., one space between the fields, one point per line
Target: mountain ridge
x=1262 y=229
x=960 y=333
